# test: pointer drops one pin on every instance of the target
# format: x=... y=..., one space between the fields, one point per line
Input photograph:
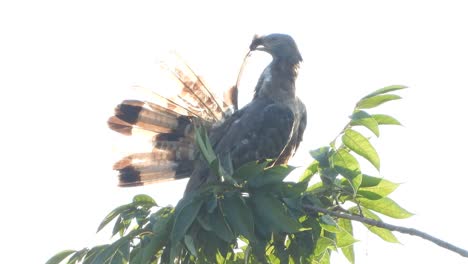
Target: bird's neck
x=277 y=81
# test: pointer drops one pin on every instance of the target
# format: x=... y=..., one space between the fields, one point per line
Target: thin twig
x=405 y=230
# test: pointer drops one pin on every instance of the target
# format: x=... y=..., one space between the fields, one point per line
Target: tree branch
x=405 y=230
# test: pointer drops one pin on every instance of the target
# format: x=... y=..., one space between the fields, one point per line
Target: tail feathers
x=194 y=92
x=140 y=114
x=146 y=168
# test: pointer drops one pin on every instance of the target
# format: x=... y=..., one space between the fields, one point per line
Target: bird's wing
x=259 y=131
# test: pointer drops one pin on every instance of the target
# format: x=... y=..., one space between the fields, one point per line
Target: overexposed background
x=64 y=65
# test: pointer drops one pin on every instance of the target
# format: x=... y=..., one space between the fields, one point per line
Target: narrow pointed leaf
x=386 y=89
x=377 y=100
x=113 y=214
x=143 y=199
x=383 y=233
x=376 y=185
x=309 y=172
x=361 y=118
x=186 y=213
x=385 y=206
x=271 y=175
x=348 y=166
x=272 y=211
x=250 y=169
x=321 y=155
x=57 y=258
x=348 y=251
x=386 y=120
x=162 y=222
x=359 y=144
x=238 y=215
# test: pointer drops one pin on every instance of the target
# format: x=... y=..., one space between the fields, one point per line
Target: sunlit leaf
x=322 y=244
x=327 y=223
x=359 y=144
x=385 y=206
x=386 y=89
x=348 y=166
x=383 y=233
x=57 y=258
x=371 y=102
x=348 y=251
x=309 y=172
x=377 y=185
x=344 y=237
x=361 y=118
x=386 y=120
x=143 y=199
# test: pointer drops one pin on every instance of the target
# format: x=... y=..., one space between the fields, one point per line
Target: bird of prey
x=270 y=127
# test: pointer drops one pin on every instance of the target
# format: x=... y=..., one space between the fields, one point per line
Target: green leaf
x=377 y=185
x=309 y=172
x=273 y=214
x=385 y=206
x=322 y=244
x=144 y=200
x=344 y=238
x=271 y=175
x=348 y=251
x=359 y=144
x=59 y=257
x=345 y=164
x=185 y=213
x=249 y=169
x=238 y=215
x=386 y=120
x=371 y=102
x=190 y=244
x=201 y=138
x=321 y=155
x=162 y=222
x=384 y=90
x=112 y=251
x=383 y=233
x=327 y=223
x=361 y=118
x=216 y=222
x=113 y=214
x=78 y=256
x=92 y=253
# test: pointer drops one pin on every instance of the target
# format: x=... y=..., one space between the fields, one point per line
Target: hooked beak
x=257 y=44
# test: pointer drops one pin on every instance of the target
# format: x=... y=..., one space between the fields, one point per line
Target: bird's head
x=279 y=46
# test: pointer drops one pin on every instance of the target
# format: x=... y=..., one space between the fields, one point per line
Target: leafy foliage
x=252 y=215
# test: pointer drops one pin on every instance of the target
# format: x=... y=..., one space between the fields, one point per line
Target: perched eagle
x=269 y=127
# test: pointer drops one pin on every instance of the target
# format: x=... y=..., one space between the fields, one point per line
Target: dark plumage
x=269 y=127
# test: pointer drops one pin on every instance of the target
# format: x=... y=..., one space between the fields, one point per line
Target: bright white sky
x=65 y=65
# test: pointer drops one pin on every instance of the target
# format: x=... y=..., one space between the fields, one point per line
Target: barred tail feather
x=153 y=172
x=169 y=121
x=166 y=162
x=132 y=113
